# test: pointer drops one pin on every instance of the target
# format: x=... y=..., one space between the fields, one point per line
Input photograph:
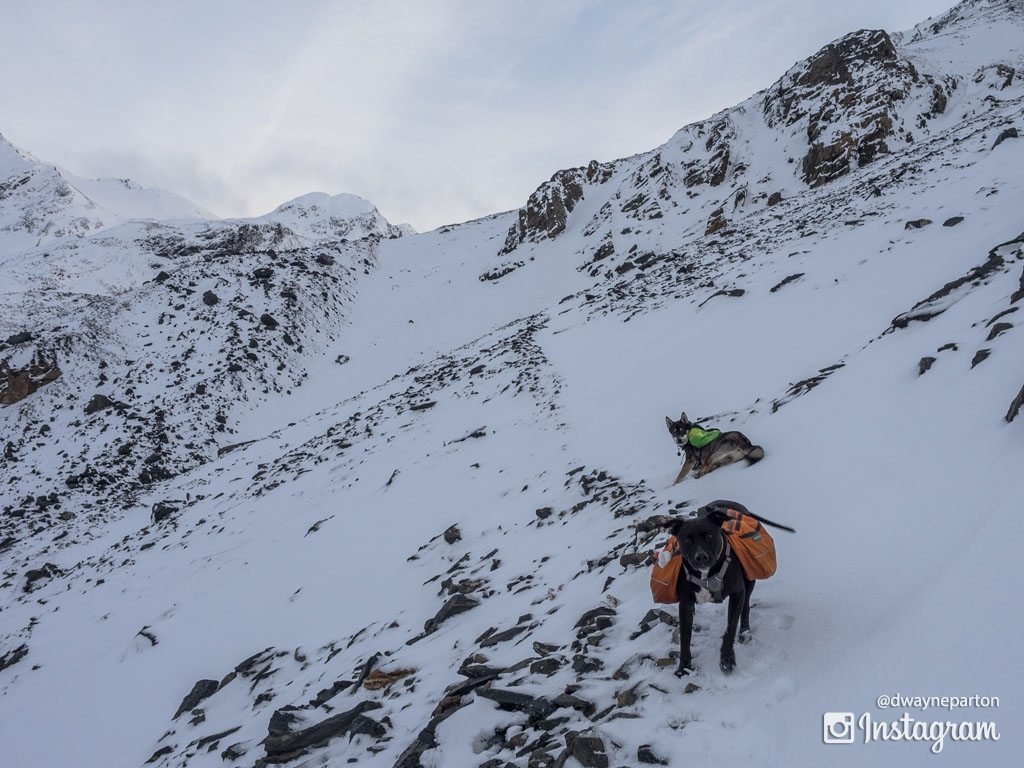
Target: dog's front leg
x=685 y=633
x=727 y=659
x=687 y=466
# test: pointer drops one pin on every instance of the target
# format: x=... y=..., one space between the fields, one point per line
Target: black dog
x=712 y=571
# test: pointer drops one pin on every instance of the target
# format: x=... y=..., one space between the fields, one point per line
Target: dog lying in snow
x=727 y=448
x=703 y=547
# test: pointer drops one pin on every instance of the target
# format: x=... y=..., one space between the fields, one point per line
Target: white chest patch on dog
x=704 y=595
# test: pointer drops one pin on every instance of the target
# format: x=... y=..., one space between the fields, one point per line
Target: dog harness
x=710 y=585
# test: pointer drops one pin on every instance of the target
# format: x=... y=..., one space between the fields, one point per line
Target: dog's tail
x=755 y=454
x=772 y=524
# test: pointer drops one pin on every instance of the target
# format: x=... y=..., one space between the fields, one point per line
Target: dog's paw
x=727 y=661
x=745 y=636
x=684 y=669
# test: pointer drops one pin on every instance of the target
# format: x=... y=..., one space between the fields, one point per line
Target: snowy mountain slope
x=526 y=409
x=134 y=354
x=41 y=203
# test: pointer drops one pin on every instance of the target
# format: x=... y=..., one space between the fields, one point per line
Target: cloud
x=436 y=111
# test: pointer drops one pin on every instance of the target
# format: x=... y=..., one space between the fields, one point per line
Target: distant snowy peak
x=966 y=15
x=343 y=217
x=40 y=202
x=127 y=199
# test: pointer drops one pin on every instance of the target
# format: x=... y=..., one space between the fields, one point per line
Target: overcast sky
x=436 y=111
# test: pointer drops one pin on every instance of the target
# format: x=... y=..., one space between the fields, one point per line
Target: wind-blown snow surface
x=503 y=380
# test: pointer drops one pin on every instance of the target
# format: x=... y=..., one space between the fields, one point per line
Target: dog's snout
x=701 y=559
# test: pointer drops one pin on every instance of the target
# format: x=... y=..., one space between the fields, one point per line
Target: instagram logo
x=837 y=728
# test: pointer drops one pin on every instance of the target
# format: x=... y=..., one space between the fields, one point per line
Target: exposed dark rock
x=18 y=383
x=452 y=534
x=201 y=690
x=544 y=513
x=917 y=223
x=514 y=701
x=1015 y=405
x=1009 y=133
x=774 y=199
x=731 y=292
x=210 y=298
x=645 y=754
x=503 y=636
x=952 y=221
x=262 y=273
x=997 y=329
x=268 y=320
x=569 y=701
x=930 y=307
x=351 y=722
x=980 y=356
x=786 y=281
x=924 y=364
x=160 y=753
x=48 y=571
x=163 y=510
x=19 y=338
x=588 y=749
x=582 y=664
x=98 y=403
x=716 y=222
x=546 y=211
x=546 y=666
x=12 y=657
x=456 y=604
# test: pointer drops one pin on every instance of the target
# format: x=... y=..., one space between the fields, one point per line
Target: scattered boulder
x=980 y=356
x=19 y=338
x=917 y=224
x=587 y=748
x=18 y=383
x=1009 y=133
x=645 y=754
x=48 y=571
x=351 y=722
x=268 y=320
x=774 y=199
x=513 y=701
x=1015 y=406
x=262 y=273
x=456 y=604
x=12 y=657
x=200 y=691
x=98 y=403
x=452 y=534
x=210 y=298
x=924 y=364
x=786 y=281
x=716 y=222
x=342 y=359
x=163 y=510
x=952 y=221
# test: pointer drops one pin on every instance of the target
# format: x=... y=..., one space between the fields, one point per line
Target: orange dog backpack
x=665 y=578
x=753 y=545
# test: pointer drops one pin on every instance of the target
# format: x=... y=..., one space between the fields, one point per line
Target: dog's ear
x=669 y=423
x=672 y=526
x=682 y=418
x=715 y=515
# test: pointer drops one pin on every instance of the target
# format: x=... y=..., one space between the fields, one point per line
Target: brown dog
x=728 y=448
